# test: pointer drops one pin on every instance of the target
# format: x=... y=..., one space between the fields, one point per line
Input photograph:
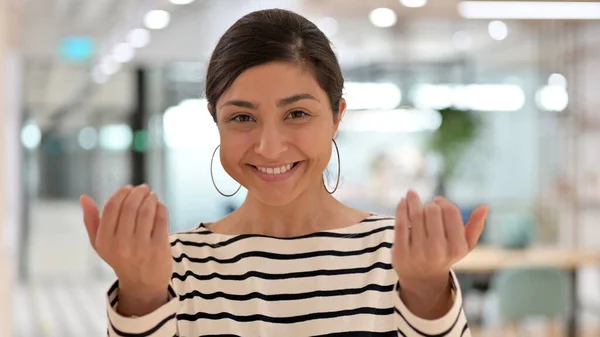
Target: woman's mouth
x=279 y=173
x=276 y=170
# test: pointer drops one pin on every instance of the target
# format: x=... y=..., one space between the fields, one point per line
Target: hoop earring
x=212 y=177
x=337 y=182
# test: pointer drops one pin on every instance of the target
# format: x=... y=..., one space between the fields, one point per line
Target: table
x=489 y=259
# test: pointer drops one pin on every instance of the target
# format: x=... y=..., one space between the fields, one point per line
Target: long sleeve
x=453 y=324
x=160 y=323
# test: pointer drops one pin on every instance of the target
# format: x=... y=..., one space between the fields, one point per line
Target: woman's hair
x=273 y=35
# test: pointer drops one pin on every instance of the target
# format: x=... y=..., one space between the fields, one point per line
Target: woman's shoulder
x=378 y=220
x=195 y=236
x=198 y=229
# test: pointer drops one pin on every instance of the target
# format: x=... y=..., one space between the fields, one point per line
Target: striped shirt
x=330 y=283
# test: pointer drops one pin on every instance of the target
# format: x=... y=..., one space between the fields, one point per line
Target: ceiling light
x=478 y=97
x=123 y=52
x=413 y=3
x=395 y=121
x=109 y=66
x=537 y=10
x=115 y=137
x=383 y=17
x=498 y=30
x=157 y=19
x=138 y=38
x=181 y=2
x=372 y=96
x=31 y=136
x=552 y=98
x=87 y=138
x=558 y=80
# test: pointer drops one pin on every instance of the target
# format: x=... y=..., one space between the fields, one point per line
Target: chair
x=532 y=292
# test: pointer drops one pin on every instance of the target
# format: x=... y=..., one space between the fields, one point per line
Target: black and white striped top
x=330 y=283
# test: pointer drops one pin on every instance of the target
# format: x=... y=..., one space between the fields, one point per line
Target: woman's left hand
x=429 y=240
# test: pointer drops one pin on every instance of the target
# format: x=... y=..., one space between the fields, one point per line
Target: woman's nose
x=272 y=143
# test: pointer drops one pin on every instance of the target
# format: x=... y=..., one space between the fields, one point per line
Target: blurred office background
x=483 y=102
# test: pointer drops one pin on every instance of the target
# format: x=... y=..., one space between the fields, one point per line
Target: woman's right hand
x=132 y=236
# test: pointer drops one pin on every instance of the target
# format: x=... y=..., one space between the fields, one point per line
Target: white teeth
x=275 y=170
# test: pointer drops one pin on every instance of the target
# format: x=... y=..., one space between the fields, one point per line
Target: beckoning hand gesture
x=430 y=239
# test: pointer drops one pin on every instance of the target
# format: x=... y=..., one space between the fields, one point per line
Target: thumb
x=475 y=225
x=91 y=217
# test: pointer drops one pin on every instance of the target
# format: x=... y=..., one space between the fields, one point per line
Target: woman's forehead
x=273 y=82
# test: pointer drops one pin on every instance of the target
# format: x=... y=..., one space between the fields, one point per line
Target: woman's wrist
x=428 y=299
x=136 y=303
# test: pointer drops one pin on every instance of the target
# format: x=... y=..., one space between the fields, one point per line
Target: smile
x=273 y=174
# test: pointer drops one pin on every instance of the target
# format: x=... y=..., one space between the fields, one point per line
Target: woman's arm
x=431 y=299
x=160 y=322
x=438 y=315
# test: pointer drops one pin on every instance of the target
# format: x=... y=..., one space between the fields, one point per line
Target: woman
x=291 y=260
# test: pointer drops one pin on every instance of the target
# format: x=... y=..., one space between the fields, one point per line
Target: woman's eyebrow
x=294 y=99
x=280 y=102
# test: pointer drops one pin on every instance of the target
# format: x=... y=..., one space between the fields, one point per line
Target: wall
x=9 y=179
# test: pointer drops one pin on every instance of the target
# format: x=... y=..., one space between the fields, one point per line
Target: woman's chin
x=275 y=197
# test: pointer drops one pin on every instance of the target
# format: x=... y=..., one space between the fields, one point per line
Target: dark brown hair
x=273 y=35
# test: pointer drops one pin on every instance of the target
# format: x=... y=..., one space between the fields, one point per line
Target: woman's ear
x=338 y=117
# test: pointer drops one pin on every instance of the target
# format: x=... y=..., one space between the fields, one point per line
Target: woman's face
x=276 y=128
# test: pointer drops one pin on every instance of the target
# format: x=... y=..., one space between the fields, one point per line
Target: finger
x=418 y=232
x=434 y=225
x=110 y=213
x=145 y=216
x=91 y=217
x=129 y=210
x=160 y=231
x=401 y=230
x=475 y=225
x=454 y=229
x=452 y=217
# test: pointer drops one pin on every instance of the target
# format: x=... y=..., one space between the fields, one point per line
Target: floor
x=60 y=309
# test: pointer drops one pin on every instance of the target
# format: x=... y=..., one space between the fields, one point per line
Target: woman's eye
x=242 y=118
x=297 y=114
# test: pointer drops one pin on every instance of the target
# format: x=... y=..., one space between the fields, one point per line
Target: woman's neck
x=310 y=212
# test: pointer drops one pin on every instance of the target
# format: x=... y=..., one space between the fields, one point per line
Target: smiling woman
x=276 y=115
x=291 y=260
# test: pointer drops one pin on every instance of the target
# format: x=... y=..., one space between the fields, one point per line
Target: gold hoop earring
x=212 y=177
x=337 y=182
